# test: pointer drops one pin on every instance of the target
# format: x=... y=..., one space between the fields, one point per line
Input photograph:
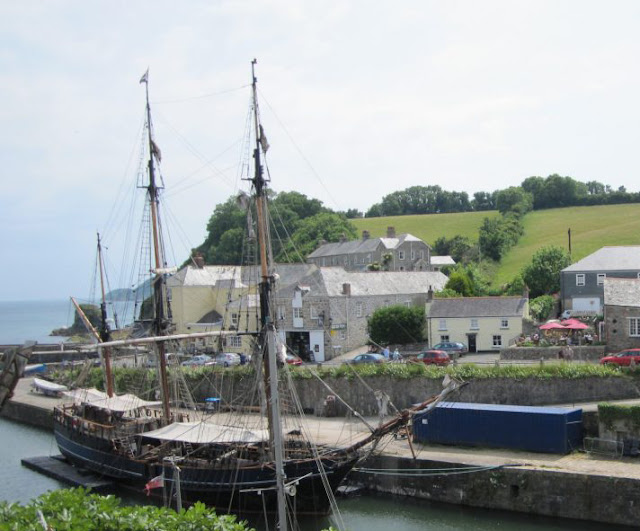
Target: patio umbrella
x=553 y=325
x=574 y=324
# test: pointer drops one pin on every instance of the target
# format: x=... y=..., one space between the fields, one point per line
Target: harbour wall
x=533 y=491
x=360 y=393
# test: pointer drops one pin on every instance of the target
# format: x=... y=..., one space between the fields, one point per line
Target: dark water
x=366 y=513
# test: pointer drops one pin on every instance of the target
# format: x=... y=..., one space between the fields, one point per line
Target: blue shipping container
x=536 y=429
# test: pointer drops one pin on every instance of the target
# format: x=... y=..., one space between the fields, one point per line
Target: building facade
x=482 y=323
x=582 y=283
x=404 y=252
x=621 y=313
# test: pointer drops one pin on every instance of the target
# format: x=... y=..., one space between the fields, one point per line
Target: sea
x=34 y=320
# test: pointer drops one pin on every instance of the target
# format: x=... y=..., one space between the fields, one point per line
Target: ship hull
x=240 y=490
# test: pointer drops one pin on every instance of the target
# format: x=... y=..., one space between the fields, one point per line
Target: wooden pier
x=57 y=467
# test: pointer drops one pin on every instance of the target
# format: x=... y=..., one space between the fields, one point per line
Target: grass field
x=591 y=228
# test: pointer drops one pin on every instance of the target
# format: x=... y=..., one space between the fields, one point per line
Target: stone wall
x=532 y=491
x=617 y=327
x=359 y=393
x=584 y=353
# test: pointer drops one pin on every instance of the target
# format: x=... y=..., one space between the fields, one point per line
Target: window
x=504 y=323
x=234 y=341
x=343 y=334
x=282 y=313
x=358 y=309
x=234 y=320
x=413 y=254
x=313 y=313
x=444 y=339
x=497 y=341
x=400 y=255
x=580 y=279
x=407 y=304
x=369 y=258
x=634 y=326
x=442 y=325
x=297 y=313
x=601 y=277
x=346 y=260
x=474 y=324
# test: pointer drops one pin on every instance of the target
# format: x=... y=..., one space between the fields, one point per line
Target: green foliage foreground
x=80 y=510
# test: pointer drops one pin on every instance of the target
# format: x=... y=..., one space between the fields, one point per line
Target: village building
x=482 y=323
x=582 y=283
x=320 y=312
x=621 y=313
x=403 y=252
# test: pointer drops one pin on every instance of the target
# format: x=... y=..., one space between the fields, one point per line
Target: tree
x=542 y=274
x=491 y=238
x=460 y=282
x=514 y=198
x=457 y=247
x=397 y=325
x=541 y=307
x=353 y=213
x=327 y=226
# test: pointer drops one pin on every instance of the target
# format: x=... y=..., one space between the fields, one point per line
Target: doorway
x=471 y=341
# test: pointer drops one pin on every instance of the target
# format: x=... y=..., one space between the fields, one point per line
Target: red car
x=433 y=357
x=292 y=359
x=623 y=358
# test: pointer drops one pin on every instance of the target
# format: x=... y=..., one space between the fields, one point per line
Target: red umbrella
x=552 y=326
x=574 y=324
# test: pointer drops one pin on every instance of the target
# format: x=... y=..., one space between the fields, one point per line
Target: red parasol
x=574 y=324
x=552 y=325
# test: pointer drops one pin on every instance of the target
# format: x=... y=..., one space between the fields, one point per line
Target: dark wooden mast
x=160 y=321
x=105 y=333
x=267 y=337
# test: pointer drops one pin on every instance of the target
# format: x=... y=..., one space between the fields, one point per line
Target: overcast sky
x=358 y=99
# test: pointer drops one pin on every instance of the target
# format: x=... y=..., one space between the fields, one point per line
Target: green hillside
x=591 y=228
x=428 y=227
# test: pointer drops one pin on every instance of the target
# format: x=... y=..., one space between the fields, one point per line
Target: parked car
x=455 y=349
x=227 y=359
x=199 y=360
x=292 y=359
x=433 y=357
x=623 y=358
x=367 y=357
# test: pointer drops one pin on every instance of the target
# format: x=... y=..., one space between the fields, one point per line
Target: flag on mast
x=145 y=77
x=154 y=483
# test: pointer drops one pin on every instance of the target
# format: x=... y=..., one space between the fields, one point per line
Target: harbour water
x=22 y=321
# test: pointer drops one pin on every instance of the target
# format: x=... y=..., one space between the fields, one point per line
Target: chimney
x=525 y=292
x=430 y=294
x=198 y=260
x=323 y=242
x=343 y=238
x=391 y=232
x=365 y=234
x=346 y=289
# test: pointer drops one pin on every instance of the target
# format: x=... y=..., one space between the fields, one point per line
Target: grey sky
x=359 y=99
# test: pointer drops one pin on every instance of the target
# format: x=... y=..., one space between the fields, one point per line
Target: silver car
x=227 y=359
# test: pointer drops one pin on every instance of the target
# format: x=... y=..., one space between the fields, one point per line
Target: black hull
x=237 y=490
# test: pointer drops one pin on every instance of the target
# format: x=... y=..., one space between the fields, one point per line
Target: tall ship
x=252 y=459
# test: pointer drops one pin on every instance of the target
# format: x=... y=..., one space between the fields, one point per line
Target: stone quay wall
x=532 y=491
x=360 y=395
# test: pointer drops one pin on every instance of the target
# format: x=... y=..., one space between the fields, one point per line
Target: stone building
x=621 y=313
x=403 y=252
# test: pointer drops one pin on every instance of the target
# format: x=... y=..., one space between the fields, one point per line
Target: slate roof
x=210 y=275
x=478 y=307
x=442 y=260
x=362 y=246
x=622 y=292
x=618 y=258
x=381 y=282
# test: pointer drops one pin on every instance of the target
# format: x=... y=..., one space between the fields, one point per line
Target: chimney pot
x=365 y=234
x=391 y=232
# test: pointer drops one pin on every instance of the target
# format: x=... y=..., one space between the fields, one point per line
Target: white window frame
x=235 y=318
x=504 y=323
x=444 y=339
x=297 y=313
x=407 y=304
x=234 y=341
x=442 y=324
x=474 y=324
x=400 y=255
x=580 y=279
x=413 y=254
x=600 y=279
x=497 y=341
x=359 y=309
x=282 y=312
x=634 y=326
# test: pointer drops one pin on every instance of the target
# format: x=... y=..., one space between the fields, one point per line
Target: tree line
x=553 y=191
